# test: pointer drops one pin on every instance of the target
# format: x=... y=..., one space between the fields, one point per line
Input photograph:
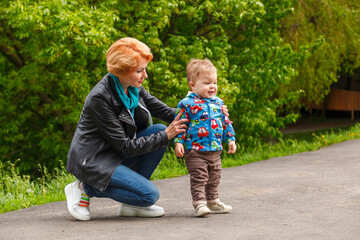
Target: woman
x=113 y=152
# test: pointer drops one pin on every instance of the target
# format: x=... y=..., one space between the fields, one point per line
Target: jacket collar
x=109 y=83
x=195 y=96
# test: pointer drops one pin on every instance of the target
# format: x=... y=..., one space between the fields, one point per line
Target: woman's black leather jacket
x=106 y=133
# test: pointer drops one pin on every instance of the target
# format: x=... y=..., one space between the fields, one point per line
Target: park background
x=275 y=59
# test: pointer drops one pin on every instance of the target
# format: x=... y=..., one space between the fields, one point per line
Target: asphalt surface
x=311 y=195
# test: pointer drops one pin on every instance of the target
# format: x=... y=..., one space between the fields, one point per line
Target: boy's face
x=205 y=85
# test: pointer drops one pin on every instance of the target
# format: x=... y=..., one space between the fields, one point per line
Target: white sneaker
x=219 y=207
x=201 y=210
x=135 y=211
x=77 y=201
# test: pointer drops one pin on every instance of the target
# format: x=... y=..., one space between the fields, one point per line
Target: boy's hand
x=179 y=150
x=225 y=110
x=232 y=147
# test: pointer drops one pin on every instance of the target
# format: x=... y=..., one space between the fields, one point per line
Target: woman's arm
x=112 y=130
x=156 y=107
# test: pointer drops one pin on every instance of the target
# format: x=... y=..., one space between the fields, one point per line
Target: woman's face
x=135 y=78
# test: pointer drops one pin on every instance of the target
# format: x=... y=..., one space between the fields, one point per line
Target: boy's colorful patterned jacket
x=207 y=125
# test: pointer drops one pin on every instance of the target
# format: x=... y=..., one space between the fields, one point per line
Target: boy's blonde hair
x=124 y=55
x=197 y=66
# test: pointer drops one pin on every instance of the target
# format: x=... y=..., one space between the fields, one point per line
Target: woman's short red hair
x=124 y=55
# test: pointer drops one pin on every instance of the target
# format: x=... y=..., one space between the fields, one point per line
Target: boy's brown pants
x=205 y=173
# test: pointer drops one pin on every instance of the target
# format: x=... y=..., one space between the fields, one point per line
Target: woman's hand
x=225 y=110
x=177 y=126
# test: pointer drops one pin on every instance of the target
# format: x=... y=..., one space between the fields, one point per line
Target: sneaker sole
x=202 y=214
x=220 y=211
x=72 y=211
x=133 y=212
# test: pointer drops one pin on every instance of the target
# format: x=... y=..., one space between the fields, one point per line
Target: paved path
x=312 y=195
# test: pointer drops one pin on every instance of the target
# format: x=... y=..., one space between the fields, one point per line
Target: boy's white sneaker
x=201 y=210
x=135 y=211
x=219 y=207
x=77 y=201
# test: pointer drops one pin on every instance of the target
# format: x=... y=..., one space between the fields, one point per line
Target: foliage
x=337 y=25
x=54 y=53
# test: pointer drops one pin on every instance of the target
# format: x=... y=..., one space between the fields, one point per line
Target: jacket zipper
x=133 y=122
x=89 y=154
x=150 y=118
x=209 y=125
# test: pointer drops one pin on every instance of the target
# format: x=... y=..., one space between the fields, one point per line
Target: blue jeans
x=130 y=183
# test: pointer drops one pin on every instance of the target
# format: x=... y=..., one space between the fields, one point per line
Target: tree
x=242 y=40
x=53 y=53
x=334 y=26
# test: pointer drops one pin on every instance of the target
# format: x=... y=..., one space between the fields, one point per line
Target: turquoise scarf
x=131 y=101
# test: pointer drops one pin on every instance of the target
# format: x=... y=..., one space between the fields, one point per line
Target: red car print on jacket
x=202 y=132
x=198 y=100
x=214 y=124
x=195 y=109
x=196 y=146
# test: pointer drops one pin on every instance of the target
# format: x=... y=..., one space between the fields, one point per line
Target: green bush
x=337 y=25
x=53 y=53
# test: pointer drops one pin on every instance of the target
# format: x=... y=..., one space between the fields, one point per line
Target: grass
x=295 y=143
x=18 y=191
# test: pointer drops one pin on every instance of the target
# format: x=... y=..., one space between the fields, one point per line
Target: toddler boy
x=202 y=143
